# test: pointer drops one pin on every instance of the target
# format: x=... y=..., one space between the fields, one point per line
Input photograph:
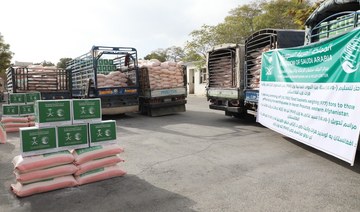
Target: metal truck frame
x=114 y=99
x=255 y=44
x=332 y=18
x=225 y=70
x=52 y=83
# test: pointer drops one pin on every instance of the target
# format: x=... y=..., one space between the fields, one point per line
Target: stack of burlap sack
x=52 y=171
x=256 y=69
x=221 y=71
x=113 y=79
x=13 y=124
x=163 y=75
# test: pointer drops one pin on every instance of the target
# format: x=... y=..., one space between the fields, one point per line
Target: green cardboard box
x=72 y=136
x=53 y=112
x=17 y=98
x=27 y=109
x=86 y=110
x=35 y=141
x=32 y=97
x=10 y=110
x=102 y=133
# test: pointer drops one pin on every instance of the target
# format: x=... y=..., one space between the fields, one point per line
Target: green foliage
x=202 y=40
x=5 y=55
x=62 y=63
x=45 y=63
x=159 y=54
x=191 y=56
x=174 y=53
x=242 y=22
x=300 y=16
x=239 y=25
x=276 y=14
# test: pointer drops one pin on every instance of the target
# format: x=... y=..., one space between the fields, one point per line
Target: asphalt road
x=201 y=160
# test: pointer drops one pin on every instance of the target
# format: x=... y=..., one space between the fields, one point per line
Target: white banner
x=312 y=94
x=324 y=116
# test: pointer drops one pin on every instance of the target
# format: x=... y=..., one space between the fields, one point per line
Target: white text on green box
x=53 y=112
x=10 y=110
x=27 y=109
x=102 y=133
x=86 y=110
x=32 y=97
x=34 y=140
x=17 y=98
x=72 y=136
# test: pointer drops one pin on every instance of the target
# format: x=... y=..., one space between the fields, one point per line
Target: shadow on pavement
x=128 y=193
x=355 y=168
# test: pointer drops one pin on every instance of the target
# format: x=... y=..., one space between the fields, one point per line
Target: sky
x=39 y=30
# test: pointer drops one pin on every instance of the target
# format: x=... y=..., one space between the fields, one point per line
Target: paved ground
x=201 y=160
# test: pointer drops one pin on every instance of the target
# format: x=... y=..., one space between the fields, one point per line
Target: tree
x=241 y=23
x=5 y=55
x=201 y=41
x=62 y=63
x=276 y=14
x=45 y=63
x=174 y=53
x=301 y=15
x=159 y=54
x=238 y=25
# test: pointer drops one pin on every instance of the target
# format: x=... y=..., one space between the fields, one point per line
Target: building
x=196 y=78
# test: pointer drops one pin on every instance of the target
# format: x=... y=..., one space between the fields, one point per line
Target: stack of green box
x=88 y=111
x=323 y=30
x=337 y=26
x=19 y=111
x=43 y=137
x=20 y=104
x=105 y=66
x=66 y=125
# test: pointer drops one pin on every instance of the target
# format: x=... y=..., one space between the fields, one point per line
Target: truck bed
x=51 y=82
x=163 y=91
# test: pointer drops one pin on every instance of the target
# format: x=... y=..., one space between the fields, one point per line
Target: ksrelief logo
x=92 y=110
x=351 y=56
x=269 y=66
x=50 y=113
x=99 y=133
x=107 y=133
x=60 y=112
x=45 y=140
x=34 y=141
x=78 y=136
x=83 y=110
